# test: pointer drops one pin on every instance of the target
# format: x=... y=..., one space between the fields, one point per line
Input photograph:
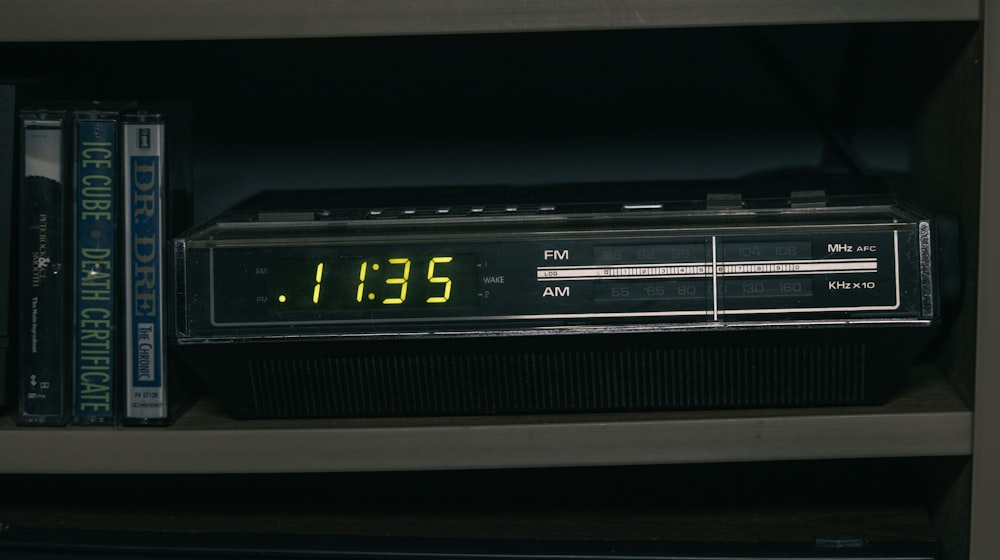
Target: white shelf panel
x=114 y=20
x=473 y=446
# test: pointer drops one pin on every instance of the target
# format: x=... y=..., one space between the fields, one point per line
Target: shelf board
x=926 y=418
x=115 y=20
x=535 y=523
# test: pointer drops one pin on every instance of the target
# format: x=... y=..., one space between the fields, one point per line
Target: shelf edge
x=150 y=451
x=71 y=20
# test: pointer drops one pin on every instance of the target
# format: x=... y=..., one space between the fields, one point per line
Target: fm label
x=556 y=254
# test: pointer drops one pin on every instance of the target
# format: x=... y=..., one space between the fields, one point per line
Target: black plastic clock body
x=324 y=306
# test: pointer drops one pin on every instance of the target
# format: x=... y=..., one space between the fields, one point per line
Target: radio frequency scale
x=328 y=307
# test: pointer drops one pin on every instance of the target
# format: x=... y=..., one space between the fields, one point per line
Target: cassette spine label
x=6 y=249
x=145 y=352
x=43 y=256
x=96 y=271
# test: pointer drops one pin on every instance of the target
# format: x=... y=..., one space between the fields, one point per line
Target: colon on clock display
x=390 y=282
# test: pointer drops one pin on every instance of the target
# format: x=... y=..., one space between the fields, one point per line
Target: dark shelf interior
x=481 y=110
x=777 y=501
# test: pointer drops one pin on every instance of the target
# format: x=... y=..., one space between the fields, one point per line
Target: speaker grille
x=621 y=379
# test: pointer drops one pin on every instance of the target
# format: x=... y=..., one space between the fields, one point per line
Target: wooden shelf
x=118 y=20
x=925 y=419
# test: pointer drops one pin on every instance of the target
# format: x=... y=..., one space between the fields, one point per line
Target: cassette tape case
x=43 y=263
x=157 y=205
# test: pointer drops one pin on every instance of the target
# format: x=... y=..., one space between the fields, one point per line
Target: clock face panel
x=715 y=278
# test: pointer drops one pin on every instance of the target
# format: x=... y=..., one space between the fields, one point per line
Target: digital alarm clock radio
x=418 y=301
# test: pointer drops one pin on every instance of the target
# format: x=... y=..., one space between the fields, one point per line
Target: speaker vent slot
x=621 y=379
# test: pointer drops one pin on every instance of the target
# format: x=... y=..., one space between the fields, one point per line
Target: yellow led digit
x=400 y=281
x=319 y=278
x=361 y=276
x=439 y=280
